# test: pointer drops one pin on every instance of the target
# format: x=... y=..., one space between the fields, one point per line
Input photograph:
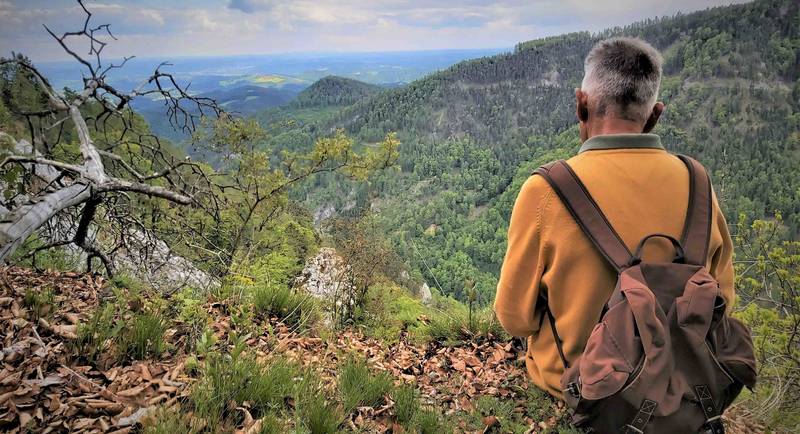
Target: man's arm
x=518 y=288
x=721 y=265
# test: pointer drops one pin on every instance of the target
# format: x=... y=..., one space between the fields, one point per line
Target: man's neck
x=613 y=126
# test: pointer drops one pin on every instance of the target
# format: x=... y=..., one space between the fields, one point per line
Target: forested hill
x=472 y=133
x=334 y=91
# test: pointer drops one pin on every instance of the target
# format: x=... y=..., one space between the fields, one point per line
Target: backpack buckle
x=574 y=389
x=714 y=426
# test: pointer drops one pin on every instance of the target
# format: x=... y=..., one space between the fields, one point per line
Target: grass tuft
x=360 y=387
x=167 y=421
x=314 y=412
x=144 y=337
x=406 y=404
x=291 y=307
x=237 y=379
x=427 y=421
x=40 y=303
x=456 y=325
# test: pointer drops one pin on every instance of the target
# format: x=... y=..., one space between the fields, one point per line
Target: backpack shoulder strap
x=697 y=228
x=586 y=212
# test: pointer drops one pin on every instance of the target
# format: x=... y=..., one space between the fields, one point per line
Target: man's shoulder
x=634 y=157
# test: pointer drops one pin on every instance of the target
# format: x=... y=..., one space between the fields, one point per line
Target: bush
x=360 y=387
x=768 y=278
x=389 y=310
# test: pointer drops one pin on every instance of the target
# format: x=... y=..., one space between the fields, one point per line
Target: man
x=641 y=188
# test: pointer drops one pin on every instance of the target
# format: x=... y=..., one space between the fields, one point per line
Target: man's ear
x=581 y=105
x=654 y=116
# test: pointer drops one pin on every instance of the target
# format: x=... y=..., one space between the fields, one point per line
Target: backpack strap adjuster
x=636 y=426
x=574 y=389
x=713 y=424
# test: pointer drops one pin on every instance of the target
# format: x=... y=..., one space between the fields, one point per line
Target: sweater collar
x=618 y=141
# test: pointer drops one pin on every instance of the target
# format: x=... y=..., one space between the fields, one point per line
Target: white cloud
x=163 y=28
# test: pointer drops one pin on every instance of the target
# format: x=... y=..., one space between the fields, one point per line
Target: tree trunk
x=17 y=226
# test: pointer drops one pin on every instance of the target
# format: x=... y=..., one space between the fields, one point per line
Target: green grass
x=315 y=411
x=360 y=387
x=391 y=309
x=143 y=337
x=454 y=325
x=167 y=421
x=126 y=281
x=271 y=425
x=406 y=404
x=40 y=303
x=237 y=378
x=291 y=307
x=428 y=421
x=94 y=335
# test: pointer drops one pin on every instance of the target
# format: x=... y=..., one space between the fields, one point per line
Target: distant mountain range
x=251 y=84
x=207 y=74
x=471 y=134
x=250 y=99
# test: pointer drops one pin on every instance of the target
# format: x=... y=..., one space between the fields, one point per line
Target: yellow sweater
x=642 y=190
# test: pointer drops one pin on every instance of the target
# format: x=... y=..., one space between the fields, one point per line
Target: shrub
x=768 y=278
x=60 y=258
x=390 y=309
x=360 y=387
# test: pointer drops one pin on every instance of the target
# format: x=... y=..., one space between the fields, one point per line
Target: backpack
x=664 y=357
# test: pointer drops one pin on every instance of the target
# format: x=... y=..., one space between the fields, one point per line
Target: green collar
x=622 y=141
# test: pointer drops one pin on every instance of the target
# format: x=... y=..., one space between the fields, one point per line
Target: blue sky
x=155 y=28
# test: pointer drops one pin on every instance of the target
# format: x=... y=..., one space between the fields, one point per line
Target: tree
x=93 y=176
x=113 y=147
x=251 y=185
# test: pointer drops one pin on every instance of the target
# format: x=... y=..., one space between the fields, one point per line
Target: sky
x=171 y=28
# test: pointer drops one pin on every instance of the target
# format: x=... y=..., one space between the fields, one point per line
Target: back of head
x=622 y=76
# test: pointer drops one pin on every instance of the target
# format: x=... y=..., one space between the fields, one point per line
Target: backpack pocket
x=734 y=350
x=612 y=356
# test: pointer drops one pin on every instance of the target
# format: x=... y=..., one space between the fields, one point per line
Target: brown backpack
x=664 y=357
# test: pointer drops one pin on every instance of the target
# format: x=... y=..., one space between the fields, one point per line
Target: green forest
x=172 y=293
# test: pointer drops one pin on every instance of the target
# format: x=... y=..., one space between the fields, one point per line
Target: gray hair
x=624 y=75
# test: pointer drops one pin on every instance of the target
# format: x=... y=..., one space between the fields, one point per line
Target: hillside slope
x=51 y=384
x=334 y=91
x=471 y=134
